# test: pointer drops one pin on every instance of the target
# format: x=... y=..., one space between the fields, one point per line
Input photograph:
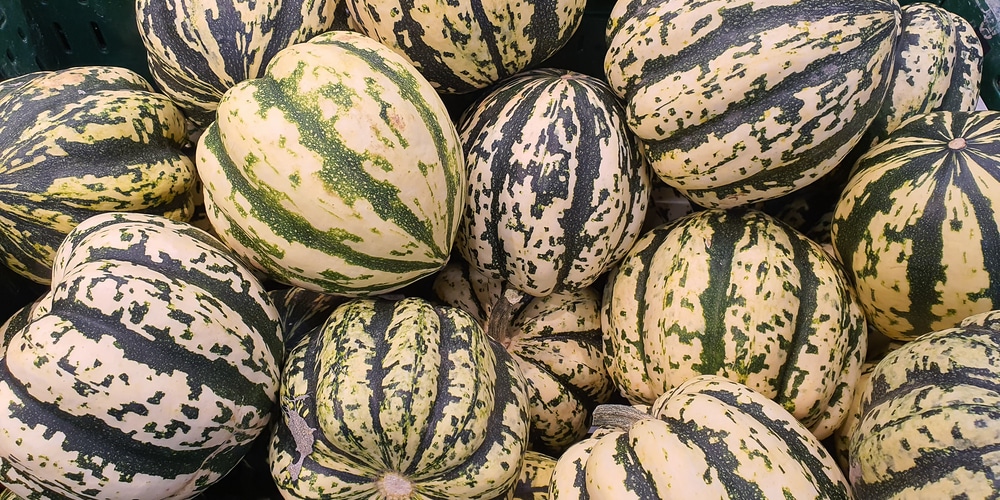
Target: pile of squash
x=549 y=249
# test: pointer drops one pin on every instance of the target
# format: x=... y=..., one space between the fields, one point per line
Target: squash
x=79 y=142
x=709 y=437
x=461 y=47
x=399 y=398
x=302 y=311
x=739 y=294
x=558 y=189
x=930 y=417
x=737 y=101
x=199 y=49
x=916 y=227
x=145 y=372
x=938 y=67
x=555 y=340
x=339 y=171
x=535 y=477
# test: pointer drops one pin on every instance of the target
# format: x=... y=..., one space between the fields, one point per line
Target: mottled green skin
x=79 y=142
x=339 y=171
x=929 y=423
x=916 y=225
x=740 y=294
x=710 y=437
x=147 y=370
x=403 y=388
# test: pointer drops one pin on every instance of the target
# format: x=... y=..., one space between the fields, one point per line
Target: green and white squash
x=558 y=188
x=339 y=171
x=938 y=67
x=916 y=226
x=536 y=475
x=709 y=437
x=739 y=294
x=399 y=398
x=465 y=46
x=930 y=418
x=302 y=311
x=199 y=49
x=740 y=101
x=840 y=440
x=555 y=340
x=146 y=372
x=80 y=142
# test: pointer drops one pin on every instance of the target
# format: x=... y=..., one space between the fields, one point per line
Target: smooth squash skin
x=399 y=398
x=738 y=102
x=929 y=422
x=709 y=437
x=146 y=372
x=79 y=142
x=461 y=47
x=736 y=293
x=339 y=171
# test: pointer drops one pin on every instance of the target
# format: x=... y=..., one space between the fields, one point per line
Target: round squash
x=339 y=171
x=916 y=226
x=930 y=417
x=399 y=398
x=79 y=142
x=555 y=340
x=465 y=46
x=558 y=189
x=739 y=294
x=147 y=370
x=709 y=437
x=740 y=101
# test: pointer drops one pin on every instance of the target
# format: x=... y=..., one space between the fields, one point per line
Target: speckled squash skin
x=709 y=437
x=736 y=293
x=461 y=47
x=398 y=397
x=147 y=370
x=339 y=171
x=79 y=142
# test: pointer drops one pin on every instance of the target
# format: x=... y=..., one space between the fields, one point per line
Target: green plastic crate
x=55 y=34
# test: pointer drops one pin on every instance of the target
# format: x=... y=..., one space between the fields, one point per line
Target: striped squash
x=736 y=293
x=558 y=190
x=556 y=342
x=709 y=437
x=199 y=49
x=339 y=171
x=930 y=418
x=840 y=440
x=79 y=142
x=465 y=46
x=916 y=226
x=938 y=67
x=740 y=101
x=535 y=477
x=302 y=311
x=399 y=398
x=146 y=372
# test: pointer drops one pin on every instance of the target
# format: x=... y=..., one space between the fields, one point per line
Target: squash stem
x=607 y=416
x=501 y=315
